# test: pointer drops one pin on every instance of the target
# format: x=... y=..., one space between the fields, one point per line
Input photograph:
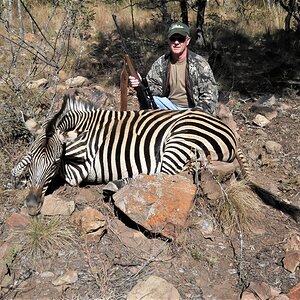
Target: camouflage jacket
x=200 y=84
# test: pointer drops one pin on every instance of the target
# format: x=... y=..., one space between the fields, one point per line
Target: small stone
x=273 y=147
x=38 y=83
x=261 y=121
x=18 y=221
x=291 y=260
x=153 y=288
x=293 y=242
x=267 y=100
x=89 y=219
x=68 y=278
x=248 y=296
x=271 y=115
x=77 y=81
x=47 y=274
x=206 y=226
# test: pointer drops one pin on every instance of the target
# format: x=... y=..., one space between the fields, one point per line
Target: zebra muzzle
x=34 y=203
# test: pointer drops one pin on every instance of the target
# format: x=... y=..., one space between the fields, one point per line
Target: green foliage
x=13 y=252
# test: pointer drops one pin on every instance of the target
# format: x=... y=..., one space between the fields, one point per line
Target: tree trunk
x=200 y=39
x=184 y=12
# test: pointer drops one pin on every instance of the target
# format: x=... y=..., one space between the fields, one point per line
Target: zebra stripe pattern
x=112 y=145
x=86 y=144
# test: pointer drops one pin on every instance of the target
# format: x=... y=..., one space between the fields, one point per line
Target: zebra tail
x=267 y=197
x=271 y=200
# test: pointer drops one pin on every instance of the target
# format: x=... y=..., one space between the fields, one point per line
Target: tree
x=184 y=12
x=200 y=39
x=292 y=7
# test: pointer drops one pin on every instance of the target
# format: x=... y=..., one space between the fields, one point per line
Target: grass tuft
x=45 y=236
x=239 y=209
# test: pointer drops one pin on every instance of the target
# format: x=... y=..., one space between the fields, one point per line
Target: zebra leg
x=113 y=186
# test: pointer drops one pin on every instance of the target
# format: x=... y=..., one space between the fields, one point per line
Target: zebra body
x=83 y=143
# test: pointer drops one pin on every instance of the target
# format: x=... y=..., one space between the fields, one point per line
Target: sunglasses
x=180 y=39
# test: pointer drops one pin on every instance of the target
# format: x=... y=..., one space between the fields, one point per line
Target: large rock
x=54 y=206
x=159 y=203
x=154 y=288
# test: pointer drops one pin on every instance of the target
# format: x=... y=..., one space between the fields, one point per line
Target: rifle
x=144 y=94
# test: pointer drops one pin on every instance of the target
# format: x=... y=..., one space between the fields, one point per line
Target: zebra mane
x=69 y=104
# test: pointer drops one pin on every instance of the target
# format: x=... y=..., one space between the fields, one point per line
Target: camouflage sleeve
x=155 y=77
x=205 y=90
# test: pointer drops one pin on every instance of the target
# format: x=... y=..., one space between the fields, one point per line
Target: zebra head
x=42 y=162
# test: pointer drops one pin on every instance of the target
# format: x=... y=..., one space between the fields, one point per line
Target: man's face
x=178 y=43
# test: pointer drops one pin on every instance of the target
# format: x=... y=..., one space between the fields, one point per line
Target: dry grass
x=45 y=236
x=239 y=209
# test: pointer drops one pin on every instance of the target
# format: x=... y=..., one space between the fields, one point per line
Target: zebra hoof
x=110 y=189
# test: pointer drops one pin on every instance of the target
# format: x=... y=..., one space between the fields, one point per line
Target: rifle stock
x=124 y=88
x=144 y=95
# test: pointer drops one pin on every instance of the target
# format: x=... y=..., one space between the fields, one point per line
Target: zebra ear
x=68 y=136
x=33 y=127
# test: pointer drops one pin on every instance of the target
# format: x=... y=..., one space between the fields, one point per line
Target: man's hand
x=133 y=82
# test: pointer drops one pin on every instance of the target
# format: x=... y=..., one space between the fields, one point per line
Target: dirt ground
x=215 y=266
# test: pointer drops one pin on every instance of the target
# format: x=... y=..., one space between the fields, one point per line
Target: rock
x=18 y=221
x=77 y=81
x=294 y=293
x=280 y=297
x=223 y=170
x=272 y=147
x=159 y=203
x=267 y=100
x=292 y=256
x=262 y=290
x=283 y=107
x=206 y=226
x=271 y=115
x=248 y=296
x=137 y=243
x=210 y=187
x=43 y=82
x=54 y=206
x=85 y=196
x=153 y=288
x=291 y=260
x=293 y=242
x=226 y=116
x=3 y=269
x=261 y=121
x=91 y=221
x=67 y=278
x=47 y=274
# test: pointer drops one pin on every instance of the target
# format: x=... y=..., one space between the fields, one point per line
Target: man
x=181 y=79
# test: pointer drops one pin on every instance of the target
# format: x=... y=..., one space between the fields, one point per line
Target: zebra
x=84 y=144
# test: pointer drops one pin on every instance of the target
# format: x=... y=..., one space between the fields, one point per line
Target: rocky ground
x=86 y=246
